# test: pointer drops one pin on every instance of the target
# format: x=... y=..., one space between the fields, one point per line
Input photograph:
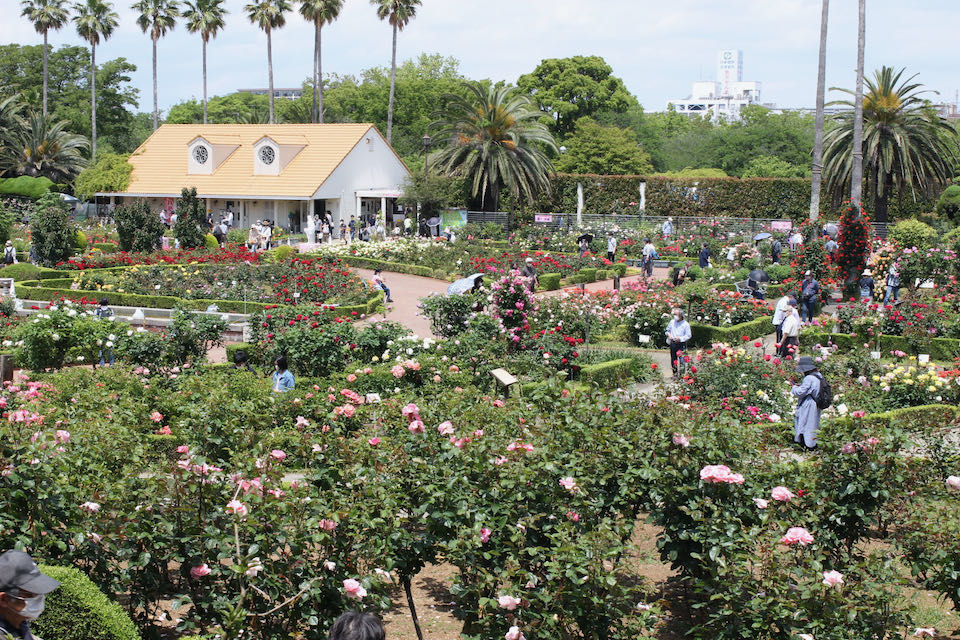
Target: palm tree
x=399 y=13
x=95 y=21
x=268 y=15
x=158 y=17
x=818 y=120
x=45 y=15
x=909 y=147
x=494 y=138
x=206 y=18
x=856 y=182
x=40 y=146
x=319 y=12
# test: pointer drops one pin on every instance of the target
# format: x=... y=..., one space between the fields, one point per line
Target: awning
x=379 y=193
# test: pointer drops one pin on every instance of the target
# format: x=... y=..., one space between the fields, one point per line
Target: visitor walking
x=343 y=232
x=584 y=246
x=229 y=218
x=780 y=313
x=893 y=285
x=667 y=229
x=282 y=378
x=253 y=236
x=732 y=256
x=809 y=294
x=704 y=256
x=266 y=235
x=678 y=334
x=530 y=273
x=9 y=254
x=354 y=625
x=775 y=249
x=23 y=591
x=379 y=283
x=867 y=286
x=407 y=224
x=649 y=255
x=353 y=229
x=104 y=312
x=796 y=241
x=808 y=395
x=790 y=330
x=611 y=247
x=831 y=246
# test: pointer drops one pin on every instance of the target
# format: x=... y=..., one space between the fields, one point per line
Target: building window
x=200 y=154
x=267 y=155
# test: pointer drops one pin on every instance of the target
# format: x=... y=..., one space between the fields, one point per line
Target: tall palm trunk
x=318 y=92
x=316 y=61
x=856 y=173
x=93 y=101
x=818 y=122
x=45 y=71
x=270 y=70
x=155 y=110
x=393 y=82
x=204 y=80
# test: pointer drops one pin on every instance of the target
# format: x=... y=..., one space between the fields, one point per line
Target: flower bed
x=230 y=254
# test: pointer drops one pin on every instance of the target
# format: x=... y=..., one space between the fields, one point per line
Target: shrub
x=610 y=374
x=853 y=242
x=139 y=228
x=210 y=241
x=111 y=173
x=913 y=233
x=27 y=186
x=237 y=236
x=280 y=254
x=550 y=281
x=191 y=220
x=589 y=274
x=53 y=233
x=620 y=268
x=79 y=241
x=448 y=315
x=949 y=204
x=20 y=271
x=80 y=611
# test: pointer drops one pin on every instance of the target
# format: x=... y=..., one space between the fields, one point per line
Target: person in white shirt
x=678 y=334
x=779 y=314
x=611 y=247
x=796 y=241
x=732 y=255
x=228 y=218
x=790 y=330
x=667 y=228
x=649 y=252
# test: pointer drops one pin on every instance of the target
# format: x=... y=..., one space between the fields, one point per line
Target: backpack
x=776 y=248
x=825 y=398
x=8 y=255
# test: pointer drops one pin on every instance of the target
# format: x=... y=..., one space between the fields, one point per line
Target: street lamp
x=426 y=154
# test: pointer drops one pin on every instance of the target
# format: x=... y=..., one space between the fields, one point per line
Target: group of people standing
x=260 y=236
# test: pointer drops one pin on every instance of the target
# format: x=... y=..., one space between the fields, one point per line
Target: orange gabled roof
x=160 y=163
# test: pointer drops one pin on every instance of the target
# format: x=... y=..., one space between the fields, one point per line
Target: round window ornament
x=267 y=155
x=200 y=154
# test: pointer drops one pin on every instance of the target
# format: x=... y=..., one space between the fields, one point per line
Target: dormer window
x=201 y=154
x=205 y=155
x=267 y=155
x=272 y=154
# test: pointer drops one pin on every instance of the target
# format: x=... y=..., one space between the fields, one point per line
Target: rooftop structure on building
x=725 y=97
x=288 y=94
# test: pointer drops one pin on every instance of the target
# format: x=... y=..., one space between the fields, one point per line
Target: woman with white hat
x=807 y=421
x=867 y=286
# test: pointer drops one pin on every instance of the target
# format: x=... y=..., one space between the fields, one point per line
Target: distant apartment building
x=289 y=94
x=725 y=97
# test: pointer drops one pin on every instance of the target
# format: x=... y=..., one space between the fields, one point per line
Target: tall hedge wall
x=80 y=611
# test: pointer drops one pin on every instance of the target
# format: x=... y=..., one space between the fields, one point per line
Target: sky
x=658 y=48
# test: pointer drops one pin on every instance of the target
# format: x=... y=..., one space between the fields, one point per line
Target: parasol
x=759 y=275
x=587 y=236
x=463 y=285
x=762 y=236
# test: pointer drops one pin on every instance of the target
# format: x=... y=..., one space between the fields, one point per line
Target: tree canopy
x=594 y=148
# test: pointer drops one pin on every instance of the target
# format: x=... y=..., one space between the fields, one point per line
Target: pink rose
x=569 y=484
x=184 y=449
x=508 y=602
x=397 y=371
x=351 y=378
x=278 y=455
x=302 y=422
x=953 y=483
x=485 y=534
x=928 y=632
x=498 y=403
x=328 y=525
x=832 y=578
x=62 y=436
x=416 y=426
x=514 y=634
x=446 y=428
x=574 y=516
x=90 y=507
x=237 y=507
x=782 y=494
x=761 y=503
x=681 y=440
x=349 y=410
x=849 y=448
x=410 y=412
x=156 y=416
x=354 y=589
x=797 y=535
x=720 y=473
x=199 y=572
x=373 y=442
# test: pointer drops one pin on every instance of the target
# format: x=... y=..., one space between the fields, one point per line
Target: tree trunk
x=270 y=71
x=856 y=173
x=204 y=80
x=393 y=82
x=316 y=61
x=45 y=71
x=155 y=110
x=93 y=102
x=413 y=607
x=818 y=122
x=318 y=91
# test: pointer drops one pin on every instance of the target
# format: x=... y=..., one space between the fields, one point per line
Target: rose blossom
x=848 y=448
x=514 y=634
x=90 y=507
x=278 y=454
x=782 y=494
x=832 y=578
x=416 y=426
x=62 y=436
x=569 y=484
x=485 y=534
x=446 y=428
x=354 y=589
x=720 y=473
x=508 y=602
x=328 y=525
x=928 y=632
x=199 y=572
x=797 y=535
x=237 y=507
x=953 y=483
x=761 y=503
x=681 y=440
x=373 y=442
x=156 y=416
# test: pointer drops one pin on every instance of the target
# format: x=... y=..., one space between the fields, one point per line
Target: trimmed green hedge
x=940 y=348
x=550 y=281
x=620 y=268
x=608 y=375
x=395 y=267
x=705 y=335
x=233 y=348
x=106 y=247
x=80 y=611
x=910 y=418
x=589 y=274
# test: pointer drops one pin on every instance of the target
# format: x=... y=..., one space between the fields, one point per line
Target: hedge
x=940 y=348
x=704 y=335
x=550 y=281
x=589 y=274
x=909 y=417
x=80 y=611
x=27 y=186
x=395 y=267
x=608 y=375
x=106 y=247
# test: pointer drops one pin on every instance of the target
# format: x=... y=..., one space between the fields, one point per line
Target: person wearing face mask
x=23 y=589
x=678 y=334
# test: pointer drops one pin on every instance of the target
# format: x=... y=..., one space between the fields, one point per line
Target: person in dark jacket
x=704 y=256
x=867 y=286
x=776 y=247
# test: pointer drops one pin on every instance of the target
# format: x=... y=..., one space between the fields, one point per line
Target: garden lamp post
x=426 y=155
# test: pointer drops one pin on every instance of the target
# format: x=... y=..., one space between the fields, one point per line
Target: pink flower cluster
x=863 y=445
x=720 y=474
x=797 y=535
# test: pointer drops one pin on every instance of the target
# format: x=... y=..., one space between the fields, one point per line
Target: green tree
x=51 y=230
x=772 y=167
x=787 y=136
x=206 y=18
x=319 y=12
x=494 y=140
x=45 y=15
x=191 y=220
x=432 y=193
x=158 y=17
x=229 y=109
x=39 y=146
x=95 y=21
x=949 y=204
x=110 y=174
x=594 y=148
x=268 y=15
x=567 y=89
x=909 y=147
x=398 y=13
x=138 y=228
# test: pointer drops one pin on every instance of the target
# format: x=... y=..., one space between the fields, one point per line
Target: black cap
x=19 y=571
